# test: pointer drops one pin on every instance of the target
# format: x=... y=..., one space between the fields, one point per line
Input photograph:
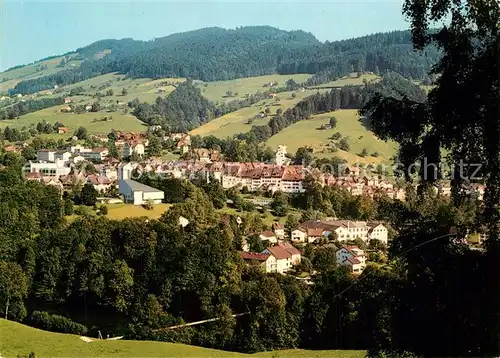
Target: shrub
x=336 y=136
x=55 y=323
x=344 y=144
x=103 y=210
x=375 y=154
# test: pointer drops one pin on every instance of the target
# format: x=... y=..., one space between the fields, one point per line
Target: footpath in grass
x=20 y=340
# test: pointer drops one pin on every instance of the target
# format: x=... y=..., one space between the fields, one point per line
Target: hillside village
x=251 y=190
x=115 y=181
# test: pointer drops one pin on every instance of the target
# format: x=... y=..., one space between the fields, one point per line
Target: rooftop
x=136 y=186
x=253 y=256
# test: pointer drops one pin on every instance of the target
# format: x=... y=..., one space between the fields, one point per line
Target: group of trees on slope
x=217 y=54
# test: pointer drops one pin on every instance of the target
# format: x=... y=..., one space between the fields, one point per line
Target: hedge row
x=55 y=323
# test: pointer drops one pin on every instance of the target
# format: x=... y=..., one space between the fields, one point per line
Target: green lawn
x=122 y=211
x=216 y=91
x=20 y=340
x=305 y=133
x=236 y=122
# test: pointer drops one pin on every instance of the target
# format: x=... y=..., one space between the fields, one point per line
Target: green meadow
x=19 y=340
x=307 y=133
x=237 y=122
x=216 y=91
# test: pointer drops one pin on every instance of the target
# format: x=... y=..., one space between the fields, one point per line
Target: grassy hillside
x=306 y=133
x=9 y=79
x=91 y=121
x=216 y=91
x=237 y=122
x=351 y=80
x=145 y=89
x=18 y=339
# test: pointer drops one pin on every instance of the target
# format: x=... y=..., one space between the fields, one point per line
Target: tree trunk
x=7 y=308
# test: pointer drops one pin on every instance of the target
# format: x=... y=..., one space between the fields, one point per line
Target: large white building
x=47 y=169
x=89 y=153
x=135 y=192
x=346 y=230
x=255 y=176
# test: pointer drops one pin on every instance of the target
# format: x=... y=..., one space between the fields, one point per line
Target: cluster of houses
x=208 y=165
x=282 y=256
x=341 y=230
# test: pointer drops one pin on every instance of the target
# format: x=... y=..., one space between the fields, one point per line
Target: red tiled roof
x=278 y=226
x=267 y=234
x=33 y=175
x=253 y=256
x=353 y=260
x=314 y=231
x=98 y=179
x=279 y=252
x=292 y=250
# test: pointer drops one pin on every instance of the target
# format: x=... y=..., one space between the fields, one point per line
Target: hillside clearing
x=237 y=122
x=9 y=79
x=90 y=120
x=145 y=89
x=216 y=91
x=20 y=340
x=306 y=133
x=351 y=80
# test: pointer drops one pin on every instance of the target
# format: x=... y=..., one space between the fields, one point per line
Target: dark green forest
x=212 y=54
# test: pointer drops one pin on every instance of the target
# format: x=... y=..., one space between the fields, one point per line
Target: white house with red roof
x=99 y=182
x=264 y=260
x=299 y=235
x=269 y=236
x=353 y=257
x=286 y=257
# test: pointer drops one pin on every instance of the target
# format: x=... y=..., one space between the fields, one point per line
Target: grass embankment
x=20 y=340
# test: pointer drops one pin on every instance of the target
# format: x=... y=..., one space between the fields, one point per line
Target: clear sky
x=30 y=30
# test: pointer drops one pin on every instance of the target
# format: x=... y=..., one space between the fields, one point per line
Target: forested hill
x=212 y=54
